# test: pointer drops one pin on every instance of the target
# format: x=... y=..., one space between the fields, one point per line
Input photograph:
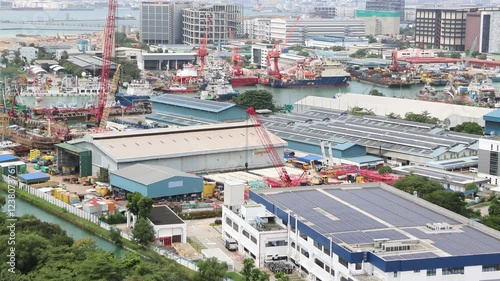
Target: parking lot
x=211 y=237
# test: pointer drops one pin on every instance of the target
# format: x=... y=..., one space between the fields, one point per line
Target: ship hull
x=244 y=81
x=337 y=81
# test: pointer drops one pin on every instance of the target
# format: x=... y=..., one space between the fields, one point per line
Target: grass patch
x=235 y=276
x=196 y=244
x=480 y=205
x=97 y=230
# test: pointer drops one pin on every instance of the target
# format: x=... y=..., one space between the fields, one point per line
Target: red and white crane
x=202 y=51
x=235 y=56
x=285 y=179
x=275 y=53
x=109 y=44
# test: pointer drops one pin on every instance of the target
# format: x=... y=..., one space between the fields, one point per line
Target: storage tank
x=234 y=193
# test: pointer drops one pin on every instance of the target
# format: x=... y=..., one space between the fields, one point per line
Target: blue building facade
x=202 y=109
x=492 y=122
x=157 y=181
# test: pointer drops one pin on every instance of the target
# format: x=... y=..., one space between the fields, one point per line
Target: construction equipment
x=275 y=53
x=235 y=56
x=109 y=45
x=465 y=65
x=285 y=179
x=111 y=97
x=202 y=51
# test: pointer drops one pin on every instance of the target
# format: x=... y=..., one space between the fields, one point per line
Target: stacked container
x=111 y=206
x=74 y=199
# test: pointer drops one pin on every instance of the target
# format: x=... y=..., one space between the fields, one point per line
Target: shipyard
x=271 y=140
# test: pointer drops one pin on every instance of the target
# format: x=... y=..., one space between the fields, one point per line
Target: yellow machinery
x=208 y=189
x=34 y=153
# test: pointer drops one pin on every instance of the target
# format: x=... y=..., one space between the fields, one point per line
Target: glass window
x=494 y=267
x=319 y=263
x=343 y=262
x=358 y=266
x=455 y=270
x=431 y=272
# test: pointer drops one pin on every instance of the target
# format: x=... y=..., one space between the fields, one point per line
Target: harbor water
x=23 y=207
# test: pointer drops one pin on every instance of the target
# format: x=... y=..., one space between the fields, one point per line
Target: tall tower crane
x=110 y=98
x=109 y=39
x=275 y=53
x=202 y=51
x=285 y=179
x=235 y=56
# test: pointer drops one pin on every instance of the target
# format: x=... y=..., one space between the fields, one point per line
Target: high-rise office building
x=222 y=17
x=161 y=22
x=387 y=5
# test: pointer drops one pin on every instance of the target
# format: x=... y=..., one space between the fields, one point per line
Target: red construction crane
x=54 y=128
x=275 y=53
x=235 y=56
x=285 y=178
x=109 y=44
x=202 y=49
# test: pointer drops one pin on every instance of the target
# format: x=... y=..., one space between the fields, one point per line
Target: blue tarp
x=34 y=177
x=8 y=158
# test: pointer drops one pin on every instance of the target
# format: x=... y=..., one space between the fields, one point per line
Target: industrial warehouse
x=359 y=231
x=399 y=142
x=194 y=149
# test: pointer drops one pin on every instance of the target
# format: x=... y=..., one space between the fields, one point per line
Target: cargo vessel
x=241 y=81
x=312 y=74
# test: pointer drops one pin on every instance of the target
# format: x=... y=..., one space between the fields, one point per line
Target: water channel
x=23 y=207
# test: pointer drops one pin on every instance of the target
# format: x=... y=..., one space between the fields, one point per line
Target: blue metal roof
x=198 y=104
x=38 y=176
x=492 y=116
x=8 y=158
x=343 y=146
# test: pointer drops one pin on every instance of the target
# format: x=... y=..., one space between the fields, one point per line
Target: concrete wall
x=381 y=25
x=472 y=28
x=171 y=230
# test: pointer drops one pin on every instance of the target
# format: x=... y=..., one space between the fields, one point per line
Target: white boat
x=139 y=88
x=219 y=90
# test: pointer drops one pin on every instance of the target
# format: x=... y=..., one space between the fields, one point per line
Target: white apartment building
x=298 y=31
x=489 y=149
x=259 y=54
x=161 y=22
x=257 y=28
x=30 y=53
x=221 y=18
x=361 y=232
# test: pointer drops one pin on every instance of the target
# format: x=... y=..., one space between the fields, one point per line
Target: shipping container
x=208 y=189
x=111 y=206
x=13 y=168
x=65 y=197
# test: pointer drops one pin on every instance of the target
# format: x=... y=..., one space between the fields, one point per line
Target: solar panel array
x=192 y=103
x=468 y=242
x=436 y=174
x=389 y=207
x=371 y=131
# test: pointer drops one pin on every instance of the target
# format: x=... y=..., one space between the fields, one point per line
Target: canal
x=23 y=207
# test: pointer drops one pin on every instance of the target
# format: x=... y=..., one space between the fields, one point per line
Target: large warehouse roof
x=149 y=174
x=355 y=216
x=175 y=142
x=199 y=104
x=406 y=137
x=457 y=114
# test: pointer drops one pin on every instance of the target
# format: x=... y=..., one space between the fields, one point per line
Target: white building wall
x=485 y=146
x=171 y=230
x=494 y=42
x=30 y=53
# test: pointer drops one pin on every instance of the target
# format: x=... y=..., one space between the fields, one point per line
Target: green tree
x=2 y=201
x=133 y=202
x=453 y=201
x=211 y=269
x=441 y=54
x=259 y=275
x=371 y=39
x=143 y=232
x=280 y=276
x=303 y=53
x=246 y=271
x=455 y=55
x=361 y=53
x=337 y=48
x=359 y=111
x=423 y=117
x=375 y=92
x=393 y=115
x=115 y=236
x=130 y=70
x=258 y=99
x=145 y=205
x=471 y=186
x=494 y=209
x=421 y=185
x=385 y=170
x=491 y=221
x=469 y=128
x=72 y=68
